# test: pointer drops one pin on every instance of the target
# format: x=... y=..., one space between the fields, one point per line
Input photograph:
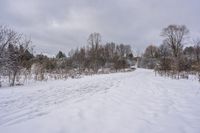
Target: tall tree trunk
x=13 y=78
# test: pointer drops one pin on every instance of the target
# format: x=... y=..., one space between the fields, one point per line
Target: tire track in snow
x=128 y=102
x=43 y=101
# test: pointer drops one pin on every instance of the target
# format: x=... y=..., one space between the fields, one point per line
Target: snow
x=131 y=102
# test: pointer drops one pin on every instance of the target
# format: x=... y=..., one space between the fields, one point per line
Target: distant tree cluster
x=16 y=59
x=96 y=55
x=171 y=57
x=91 y=58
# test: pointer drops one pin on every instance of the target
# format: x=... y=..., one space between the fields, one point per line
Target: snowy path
x=135 y=102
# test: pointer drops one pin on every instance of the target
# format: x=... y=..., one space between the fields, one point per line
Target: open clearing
x=133 y=102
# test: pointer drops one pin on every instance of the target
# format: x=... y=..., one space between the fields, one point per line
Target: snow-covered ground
x=134 y=102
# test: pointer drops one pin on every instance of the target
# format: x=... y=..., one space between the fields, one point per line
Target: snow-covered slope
x=135 y=102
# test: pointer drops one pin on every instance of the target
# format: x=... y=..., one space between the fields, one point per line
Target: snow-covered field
x=134 y=102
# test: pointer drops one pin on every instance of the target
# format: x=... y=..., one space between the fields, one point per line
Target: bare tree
x=197 y=50
x=94 y=41
x=12 y=48
x=174 y=36
x=110 y=49
x=165 y=50
x=7 y=36
x=151 y=52
x=164 y=57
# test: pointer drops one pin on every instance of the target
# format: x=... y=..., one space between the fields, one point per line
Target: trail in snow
x=29 y=102
x=114 y=103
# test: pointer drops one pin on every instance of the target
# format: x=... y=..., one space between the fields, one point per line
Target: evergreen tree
x=60 y=55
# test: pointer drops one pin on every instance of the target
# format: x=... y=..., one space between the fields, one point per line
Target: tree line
x=173 y=57
x=17 y=59
x=96 y=55
x=91 y=58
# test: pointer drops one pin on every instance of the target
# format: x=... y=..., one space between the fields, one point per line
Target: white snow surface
x=132 y=102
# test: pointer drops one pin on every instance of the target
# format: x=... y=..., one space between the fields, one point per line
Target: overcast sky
x=64 y=24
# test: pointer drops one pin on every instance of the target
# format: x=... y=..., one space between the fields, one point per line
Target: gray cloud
x=65 y=24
